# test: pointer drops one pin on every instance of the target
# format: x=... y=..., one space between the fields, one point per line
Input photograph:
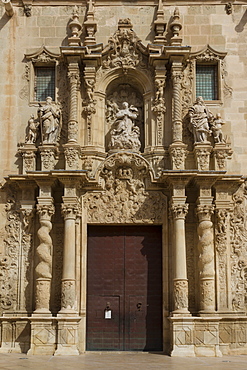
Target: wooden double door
x=124 y=288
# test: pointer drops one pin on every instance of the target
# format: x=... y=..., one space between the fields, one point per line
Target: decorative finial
x=75 y=27
x=159 y=25
x=90 y=25
x=176 y=27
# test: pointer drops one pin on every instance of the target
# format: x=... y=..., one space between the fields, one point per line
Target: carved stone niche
x=124 y=198
x=124 y=118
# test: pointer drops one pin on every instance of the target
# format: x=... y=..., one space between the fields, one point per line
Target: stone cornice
x=118 y=2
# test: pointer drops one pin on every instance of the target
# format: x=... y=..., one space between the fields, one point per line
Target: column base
x=181 y=313
x=42 y=312
x=184 y=351
x=67 y=312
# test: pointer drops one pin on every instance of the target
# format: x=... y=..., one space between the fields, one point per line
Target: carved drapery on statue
x=124 y=198
x=124 y=118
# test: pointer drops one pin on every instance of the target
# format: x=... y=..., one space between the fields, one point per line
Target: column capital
x=204 y=212
x=45 y=208
x=179 y=211
x=70 y=208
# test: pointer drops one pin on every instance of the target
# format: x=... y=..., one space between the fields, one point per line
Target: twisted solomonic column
x=43 y=269
x=206 y=257
x=180 y=281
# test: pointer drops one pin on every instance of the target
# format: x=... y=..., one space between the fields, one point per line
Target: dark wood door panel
x=104 y=333
x=124 y=262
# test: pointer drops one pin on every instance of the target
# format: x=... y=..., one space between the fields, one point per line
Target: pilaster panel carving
x=9 y=263
x=180 y=291
x=238 y=237
x=221 y=250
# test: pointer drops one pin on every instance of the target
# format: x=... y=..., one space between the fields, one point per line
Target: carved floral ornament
x=124 y=198
x=124 y=48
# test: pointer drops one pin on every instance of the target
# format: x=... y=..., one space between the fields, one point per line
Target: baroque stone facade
x=105 y=121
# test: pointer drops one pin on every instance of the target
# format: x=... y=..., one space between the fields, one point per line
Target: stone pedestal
x=48 y=153
x=202 y=153
x=178 y=155
x=28 y=153
x=67 y=336
x=72 y=154
x=15 y=335
x=43 y=336
x=195 y=336
x=221 y=152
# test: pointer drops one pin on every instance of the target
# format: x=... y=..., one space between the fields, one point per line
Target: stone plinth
x=48 y=153
x=178 y=155
x=28 y=153
x=202 y=153
x=221 y=152
x=195 y=336
x=43 y=336
x=67 y=336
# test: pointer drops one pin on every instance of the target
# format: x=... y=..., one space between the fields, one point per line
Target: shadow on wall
x=242 y=23
x=4 y=20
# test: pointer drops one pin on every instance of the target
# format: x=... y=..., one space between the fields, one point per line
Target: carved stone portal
x=124 y=198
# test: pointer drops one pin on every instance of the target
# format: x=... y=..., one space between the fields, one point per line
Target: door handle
x=139 y=306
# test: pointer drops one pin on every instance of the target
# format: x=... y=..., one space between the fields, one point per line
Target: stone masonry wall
x=47 y=26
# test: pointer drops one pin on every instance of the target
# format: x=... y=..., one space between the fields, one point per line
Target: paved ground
x=122 y=361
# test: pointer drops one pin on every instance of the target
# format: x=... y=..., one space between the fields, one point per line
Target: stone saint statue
x=216 y=128
x=200 y=119
x=125 y=135
x=31 y=136
x=50 y=122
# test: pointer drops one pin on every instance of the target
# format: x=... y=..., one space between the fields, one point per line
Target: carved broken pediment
x=42 y=55
x=124 y=48
x=124 y=198
x=208 y=54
